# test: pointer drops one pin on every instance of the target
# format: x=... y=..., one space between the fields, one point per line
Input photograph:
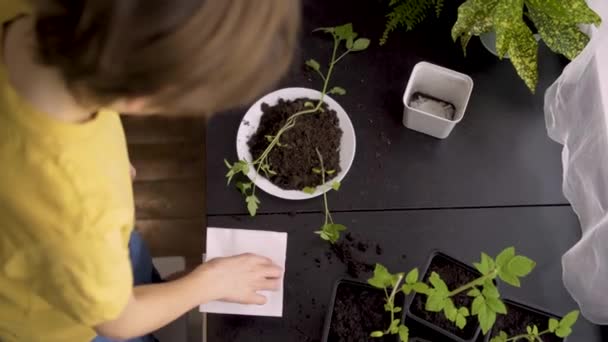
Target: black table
x=499 y=155
x=495 y=182
x=406 y=240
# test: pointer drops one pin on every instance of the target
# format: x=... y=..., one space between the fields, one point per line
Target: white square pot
x=441 y=83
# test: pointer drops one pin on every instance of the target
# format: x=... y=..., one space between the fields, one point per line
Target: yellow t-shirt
x=66 y=214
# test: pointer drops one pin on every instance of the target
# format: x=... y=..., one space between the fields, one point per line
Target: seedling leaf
x=309 y=190
x=377 y=334
x=404 y=333
x=344 y=32
x=435 y=302
x=490 y=291
x=360 y=44
x=461 y=322
x=316 y=170
x=397 y=309
x=382 y=277
x=520 y=266
x=252 y=204
x=421 y=288
x=474 y=293
x=313 y=64
x=337 y=91
x=508 y=277
x=335 y=185
x=478 y=303
x=503 y=258
x=438 y=284
x=243 y=187
x=553 y=324
x=569 y=320
x=330 y=172
x=502 y=337
x=412 y=277
x=563 y=332
x=394 y=328
x=309 y=104
x=486 y=318
x=496 y=305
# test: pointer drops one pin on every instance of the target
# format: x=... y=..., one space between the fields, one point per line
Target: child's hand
x=237 y=279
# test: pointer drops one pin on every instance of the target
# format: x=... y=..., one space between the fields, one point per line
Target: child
x=67 y=67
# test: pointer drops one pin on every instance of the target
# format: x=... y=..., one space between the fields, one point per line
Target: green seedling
x=330 y=231
x=343 y=36
x=560 y=328
x=386 y=281
x=486 y=304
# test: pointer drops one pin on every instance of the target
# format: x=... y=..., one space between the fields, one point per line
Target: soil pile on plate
x=294 y=160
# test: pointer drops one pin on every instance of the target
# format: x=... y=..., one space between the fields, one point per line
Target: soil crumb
x=344 y=252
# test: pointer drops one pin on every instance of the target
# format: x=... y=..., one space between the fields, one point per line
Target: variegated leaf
x=474 y=18
x=508 y=13
x=523 y=52
x=559 y=36
x=572 y=12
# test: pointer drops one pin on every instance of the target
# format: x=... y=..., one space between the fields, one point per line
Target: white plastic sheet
x=576 y=111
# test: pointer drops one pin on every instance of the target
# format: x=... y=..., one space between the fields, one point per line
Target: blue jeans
x=144 y=272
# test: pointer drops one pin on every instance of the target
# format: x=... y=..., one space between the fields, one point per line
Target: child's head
x=177 y=56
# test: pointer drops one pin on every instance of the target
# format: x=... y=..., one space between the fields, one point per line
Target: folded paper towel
x=222 y=242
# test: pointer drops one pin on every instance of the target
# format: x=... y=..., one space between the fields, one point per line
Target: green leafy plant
x=486 y=304
x=383 y=279
x=557 y=23
x=343 y=36
x=408 y=14
x=330 y=231
x=561 y=328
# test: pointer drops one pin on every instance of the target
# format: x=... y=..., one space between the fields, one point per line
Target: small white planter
x=441 y=83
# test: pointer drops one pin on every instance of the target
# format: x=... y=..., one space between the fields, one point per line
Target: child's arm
x=234 y=279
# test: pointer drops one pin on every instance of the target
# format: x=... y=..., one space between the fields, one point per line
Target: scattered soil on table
x=343 y=250
x=518 y=318
x=454 y=276
x=294 y=161
x=358 y=310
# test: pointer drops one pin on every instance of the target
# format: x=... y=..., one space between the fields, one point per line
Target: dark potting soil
x=293 y=162
x=518 y=318
x=344 y=248
x=454 y=276
x=358 y=310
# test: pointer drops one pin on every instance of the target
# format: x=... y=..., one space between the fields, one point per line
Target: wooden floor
x=170 y=185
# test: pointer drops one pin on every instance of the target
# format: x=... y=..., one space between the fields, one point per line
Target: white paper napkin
x=222 y=242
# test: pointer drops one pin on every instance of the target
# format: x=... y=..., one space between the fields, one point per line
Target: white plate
x=249 y=126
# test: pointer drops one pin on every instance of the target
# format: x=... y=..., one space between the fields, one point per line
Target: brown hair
x=188 y=56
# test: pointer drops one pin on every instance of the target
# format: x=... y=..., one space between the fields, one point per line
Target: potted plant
x=356 y=309
x=525 y=323
x=298 y=143
x=458 y=301
x=557 y=23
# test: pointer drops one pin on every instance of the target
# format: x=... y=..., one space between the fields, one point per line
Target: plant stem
x=477 y=282
x=342 y=56
x=515 y=338
x=327 y=215
x=391 y=300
